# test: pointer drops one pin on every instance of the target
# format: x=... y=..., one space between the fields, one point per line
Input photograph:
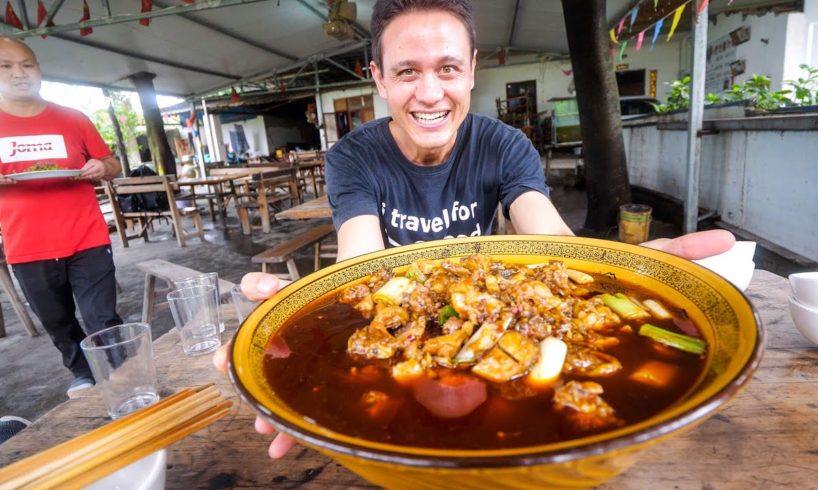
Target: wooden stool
x=170 y=273
x=19 y=307
x=283 y=252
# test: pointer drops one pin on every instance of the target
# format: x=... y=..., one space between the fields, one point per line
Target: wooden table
x=315 y=208
x=216 y=182
x=766 y=438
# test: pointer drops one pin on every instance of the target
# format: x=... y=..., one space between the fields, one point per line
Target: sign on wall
x=721 y=53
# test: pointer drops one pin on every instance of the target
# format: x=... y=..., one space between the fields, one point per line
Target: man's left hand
x=93 y=170
x=697 y=245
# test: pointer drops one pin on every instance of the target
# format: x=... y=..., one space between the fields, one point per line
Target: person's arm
x=106 y=168
x=359 y=235
x=533 y=214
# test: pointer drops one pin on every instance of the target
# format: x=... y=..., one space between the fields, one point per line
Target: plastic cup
x=242 y=305
x=206 y=279
x=121 y=360
x=195 y=312
x=634 y=223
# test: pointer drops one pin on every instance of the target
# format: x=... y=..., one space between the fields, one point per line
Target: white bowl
x=805 y=288
x=805 y=319
x=146 y=474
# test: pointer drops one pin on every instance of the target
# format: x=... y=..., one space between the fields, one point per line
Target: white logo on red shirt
x=26 y=148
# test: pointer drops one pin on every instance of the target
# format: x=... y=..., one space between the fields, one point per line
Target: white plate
x=43 y=174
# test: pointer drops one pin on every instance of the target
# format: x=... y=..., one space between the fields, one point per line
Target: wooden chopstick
x=95 y=454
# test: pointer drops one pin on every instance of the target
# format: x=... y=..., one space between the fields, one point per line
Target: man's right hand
x=258 y=286
x=6 y=181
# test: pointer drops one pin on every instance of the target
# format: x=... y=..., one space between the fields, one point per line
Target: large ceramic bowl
x=730 y=325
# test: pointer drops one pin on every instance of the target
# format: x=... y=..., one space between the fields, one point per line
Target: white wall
x=490 y=83
x=759 y=181
x=255 y=132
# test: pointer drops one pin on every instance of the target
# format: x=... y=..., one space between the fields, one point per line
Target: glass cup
x=242 y=305
x=121 y=360
x=634 y=223
x=206 y=279
x=195 y=312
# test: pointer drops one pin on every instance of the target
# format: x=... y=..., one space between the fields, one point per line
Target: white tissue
x=736 y=265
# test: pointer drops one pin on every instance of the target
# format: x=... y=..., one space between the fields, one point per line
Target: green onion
x=415 y=274
x=445 y=313
x=673 y=339
x=623 y=306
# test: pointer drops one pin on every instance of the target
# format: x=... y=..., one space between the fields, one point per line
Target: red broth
x=310 y=370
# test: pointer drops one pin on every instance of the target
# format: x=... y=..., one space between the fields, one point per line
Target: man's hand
x=6 y=181
x=104 y=169
x=697 y=245
x=258 y=286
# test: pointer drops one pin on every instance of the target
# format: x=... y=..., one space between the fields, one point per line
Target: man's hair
x=386 y=10
x=6 y=39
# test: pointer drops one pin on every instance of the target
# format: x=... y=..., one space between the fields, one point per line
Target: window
x=351 y=112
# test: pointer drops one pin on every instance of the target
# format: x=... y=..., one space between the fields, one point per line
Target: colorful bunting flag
x=147 y=6
x=701 y=7
x=11 y=17
x=622 y=50
x=86 y=15
x=676 y=16
x=621 y=25
x=639 y=39
x=42 y=13
x=634 y=13
x=234 y=96
x=656 y=29
x=656 y=5
x=359 y=69
x=613 y=36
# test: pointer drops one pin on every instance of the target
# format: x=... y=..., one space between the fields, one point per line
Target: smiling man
x=432 y=170
x=54 y=235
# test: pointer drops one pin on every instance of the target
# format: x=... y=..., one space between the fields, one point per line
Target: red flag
x=234 y=96
x=501 y=57
x=86 y=14
x=701 y=7
x=189 y=1
x=42 y=13
x=147 y=6
x=11 y=17
x=359 y=69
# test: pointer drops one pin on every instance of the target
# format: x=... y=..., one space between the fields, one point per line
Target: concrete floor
x=32 y=378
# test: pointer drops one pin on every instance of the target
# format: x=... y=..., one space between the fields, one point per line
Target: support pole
x=694 y=123
x=320 y=108
x=157 y=140
x=121 y=149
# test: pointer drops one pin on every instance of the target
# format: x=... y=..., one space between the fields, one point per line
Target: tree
x=599 y=114
x=129 y=122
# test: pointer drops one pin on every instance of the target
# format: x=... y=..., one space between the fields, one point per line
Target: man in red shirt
x=54 y=235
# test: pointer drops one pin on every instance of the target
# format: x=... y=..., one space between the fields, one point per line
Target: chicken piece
x=422 y=302
x=533 y=298
x=378 y=279
x=479 y=265
x=387 y=317
x=353 y=294
x=472 y=304
x=593 y=314
x=408 y=371
x=366 y=307
x=536 y=328
x=481 y=341
x=455 y=268
x=411 y=333
x=509 y=358
x=453 y=324
x=444 y=347
x=372 y=343
x=585 y=361
x=580 y=404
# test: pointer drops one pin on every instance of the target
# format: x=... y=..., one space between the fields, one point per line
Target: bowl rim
x=513 y=457
x=799 y=304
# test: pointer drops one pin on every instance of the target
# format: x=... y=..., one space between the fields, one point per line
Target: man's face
x=426 y=79
x=20 y=76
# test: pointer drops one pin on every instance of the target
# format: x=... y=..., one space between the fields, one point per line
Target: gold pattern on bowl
x=729 y=323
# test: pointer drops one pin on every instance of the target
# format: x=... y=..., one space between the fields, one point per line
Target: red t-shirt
x=52 y=218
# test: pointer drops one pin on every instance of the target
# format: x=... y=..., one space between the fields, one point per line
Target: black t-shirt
x=491 y=163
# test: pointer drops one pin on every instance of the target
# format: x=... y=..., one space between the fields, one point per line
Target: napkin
x=736 y=265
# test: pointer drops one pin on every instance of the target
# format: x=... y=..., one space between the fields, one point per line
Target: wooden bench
x=284 y=252
x=170 y=273
x=138 y=185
